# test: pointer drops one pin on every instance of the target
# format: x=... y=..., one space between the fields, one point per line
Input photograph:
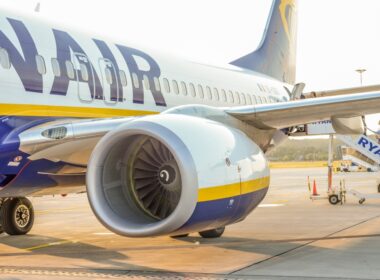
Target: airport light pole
x=38 y=7
x=361 y=71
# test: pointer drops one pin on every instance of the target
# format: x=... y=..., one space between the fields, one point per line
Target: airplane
x=161 y=145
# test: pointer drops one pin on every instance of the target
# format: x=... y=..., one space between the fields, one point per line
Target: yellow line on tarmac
x=59 y=210
x=49 y=245
x=297 y=164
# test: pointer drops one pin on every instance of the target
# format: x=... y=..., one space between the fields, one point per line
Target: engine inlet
x=154 y=178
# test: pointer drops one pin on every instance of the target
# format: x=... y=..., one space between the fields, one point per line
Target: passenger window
x=146 y=82
x=249 y=99
x=70 y=69
x=135 y=80
x=166 y=85
x=224 y=96
x=237 y=97
x=108 y=76
x=175 y=87
x=209 y=94
x=242 y=98
x=184 y=88
x=192 y=90
x=254 y=99
x=83 y=71
x=157 y=84
x=4 y=59
x=123 y=78
x=56 y=67
x=200 y=90
x=231 y=97
x=216 y=94
x=41 y=67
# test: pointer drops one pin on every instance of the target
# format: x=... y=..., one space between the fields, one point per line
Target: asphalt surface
x=287 y=237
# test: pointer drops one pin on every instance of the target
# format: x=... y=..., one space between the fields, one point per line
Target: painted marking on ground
x=42 y=246
x=64 y=210
x=270 y=205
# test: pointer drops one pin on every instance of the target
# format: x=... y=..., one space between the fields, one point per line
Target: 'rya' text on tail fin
x=276 y=54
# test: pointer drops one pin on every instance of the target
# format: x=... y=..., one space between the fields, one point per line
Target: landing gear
x=17 y=216
x=212 y=233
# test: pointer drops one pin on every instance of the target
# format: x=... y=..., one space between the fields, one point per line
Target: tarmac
x=287 y=237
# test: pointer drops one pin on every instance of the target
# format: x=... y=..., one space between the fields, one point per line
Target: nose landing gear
x=16 y=216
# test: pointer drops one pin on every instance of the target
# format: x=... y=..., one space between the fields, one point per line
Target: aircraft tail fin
x=276 y=54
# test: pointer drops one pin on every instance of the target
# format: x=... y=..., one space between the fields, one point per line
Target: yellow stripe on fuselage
x=221 y=192
x=27 y=110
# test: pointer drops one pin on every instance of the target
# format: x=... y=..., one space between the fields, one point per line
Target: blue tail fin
x=276 y=55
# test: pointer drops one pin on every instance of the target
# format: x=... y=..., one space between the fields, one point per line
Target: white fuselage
x=89 y=83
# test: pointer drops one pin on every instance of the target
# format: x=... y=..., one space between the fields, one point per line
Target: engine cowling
x=172 y=174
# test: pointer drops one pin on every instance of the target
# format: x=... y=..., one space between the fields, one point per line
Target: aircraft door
x=109 y=81
x=85 y=77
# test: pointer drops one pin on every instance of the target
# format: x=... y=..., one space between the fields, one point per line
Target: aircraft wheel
x=17 y=216
x=378 y=188
x=333 y=199
x=212 y=233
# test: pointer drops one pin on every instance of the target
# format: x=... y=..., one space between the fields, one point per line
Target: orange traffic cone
x=315 y=192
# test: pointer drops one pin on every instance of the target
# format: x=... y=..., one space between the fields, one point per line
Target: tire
x=212 y=233
x=334 y=199
x=180 y=235
x=361 y=201
x=17 y=216
x=378 y=188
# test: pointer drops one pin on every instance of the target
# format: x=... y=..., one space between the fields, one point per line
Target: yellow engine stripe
x=221 y=192
x=66 y=111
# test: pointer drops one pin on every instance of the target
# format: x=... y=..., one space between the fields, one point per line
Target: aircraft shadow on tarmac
x=271 y=247
x=34 y=245
x=44 y=245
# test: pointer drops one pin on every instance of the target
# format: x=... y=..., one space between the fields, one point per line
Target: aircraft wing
x=72 y=141
x=287 y=114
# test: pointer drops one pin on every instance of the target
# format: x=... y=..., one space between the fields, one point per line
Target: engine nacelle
x=172 y=174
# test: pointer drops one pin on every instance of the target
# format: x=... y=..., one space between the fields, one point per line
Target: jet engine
x=171 y=174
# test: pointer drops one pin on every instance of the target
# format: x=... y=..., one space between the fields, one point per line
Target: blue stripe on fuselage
x=10 y=129
x=23 y=177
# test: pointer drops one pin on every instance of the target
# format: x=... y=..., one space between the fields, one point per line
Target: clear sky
x=335 y=37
